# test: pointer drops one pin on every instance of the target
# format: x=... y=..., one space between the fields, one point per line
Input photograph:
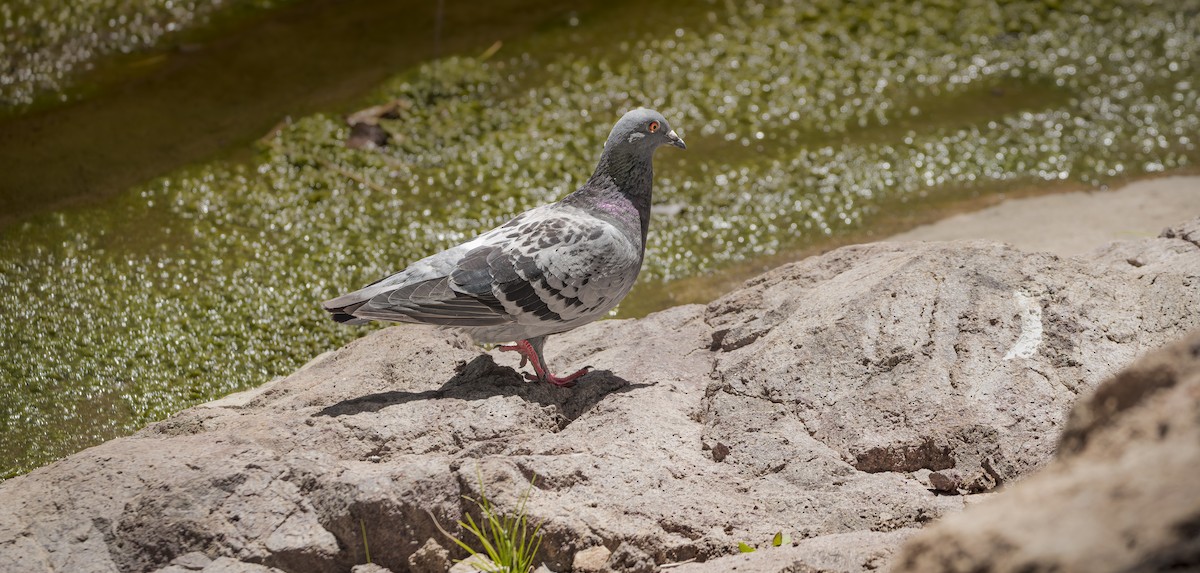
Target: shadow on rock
x=482 y=378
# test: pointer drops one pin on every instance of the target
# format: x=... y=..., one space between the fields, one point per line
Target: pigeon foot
x=561 y=382
x=522 y=347
x=530 y=355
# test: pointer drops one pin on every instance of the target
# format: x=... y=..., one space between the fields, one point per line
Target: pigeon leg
x=531 y=352
x=522 y=347
x=528 y=355
x=539 y=361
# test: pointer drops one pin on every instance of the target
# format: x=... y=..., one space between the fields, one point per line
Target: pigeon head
x=642 y=130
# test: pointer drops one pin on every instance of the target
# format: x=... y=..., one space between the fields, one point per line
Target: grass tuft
x=510 y=542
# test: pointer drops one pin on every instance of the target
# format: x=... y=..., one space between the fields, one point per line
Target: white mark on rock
x=1031 y=327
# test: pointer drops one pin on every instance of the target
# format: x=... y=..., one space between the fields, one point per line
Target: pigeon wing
x=556 y=268
x=400 y=297
x=434 y=301
x=542 y=267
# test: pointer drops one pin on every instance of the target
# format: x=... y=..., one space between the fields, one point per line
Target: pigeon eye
x=653 y=127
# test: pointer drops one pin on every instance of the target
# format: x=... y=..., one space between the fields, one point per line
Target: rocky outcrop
x=827 y=399
x=1122 y=495
x=965 y=359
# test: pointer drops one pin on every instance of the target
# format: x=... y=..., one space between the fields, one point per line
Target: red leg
x=519 y=347
x=566 y=381
x=528 y=354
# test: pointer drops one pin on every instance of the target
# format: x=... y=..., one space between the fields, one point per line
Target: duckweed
x=804 y=120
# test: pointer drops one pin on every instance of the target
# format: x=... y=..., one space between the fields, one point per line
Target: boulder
x=1123 y=493
x=965 y=358
x=818 y=400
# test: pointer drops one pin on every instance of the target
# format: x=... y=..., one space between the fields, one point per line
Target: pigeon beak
x=674 y=139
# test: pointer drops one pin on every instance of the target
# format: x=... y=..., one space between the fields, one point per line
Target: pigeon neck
x=620 y=191
x=632 y=173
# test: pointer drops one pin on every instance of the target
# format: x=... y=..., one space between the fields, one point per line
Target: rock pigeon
x=548 y=270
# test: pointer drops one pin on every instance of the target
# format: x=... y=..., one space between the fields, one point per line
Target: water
x=806 y=123
x=209 y=90
x=48 y=44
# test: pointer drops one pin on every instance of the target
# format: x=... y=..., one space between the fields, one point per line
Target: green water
x=805 y=121
x=211 y=89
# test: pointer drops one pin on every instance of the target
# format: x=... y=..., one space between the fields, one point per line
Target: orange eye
x=653 y=126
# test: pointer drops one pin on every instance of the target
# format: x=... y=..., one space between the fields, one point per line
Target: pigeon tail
x=343 y=318
x=345 y=314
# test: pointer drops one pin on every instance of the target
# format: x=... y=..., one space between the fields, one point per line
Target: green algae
x=804 y=121
x=211 y=90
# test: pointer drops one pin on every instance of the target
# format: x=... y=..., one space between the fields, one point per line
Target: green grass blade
x=366 y=548
x=506 y=538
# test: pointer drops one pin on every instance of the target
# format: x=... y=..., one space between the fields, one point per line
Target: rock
x=365 y=131
x=367 y=136
x=819 y=400
x=900 y=358
x=591 y=559
x=1188 y=231
x=430 y=558
x=474 y=564
x=219 y=565
x=371 y=568
x=195 y=561
x=1120 y=496
x=857 y=551
x=946 y=481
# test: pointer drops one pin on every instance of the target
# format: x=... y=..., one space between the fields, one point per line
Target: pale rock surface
x=369 y=568
x=430 y=558
x=1122 y=494
x=857 y=551
x=591 y=559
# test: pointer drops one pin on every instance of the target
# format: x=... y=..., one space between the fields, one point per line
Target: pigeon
x=548 y=270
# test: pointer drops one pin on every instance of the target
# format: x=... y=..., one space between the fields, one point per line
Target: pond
x=806 y=122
